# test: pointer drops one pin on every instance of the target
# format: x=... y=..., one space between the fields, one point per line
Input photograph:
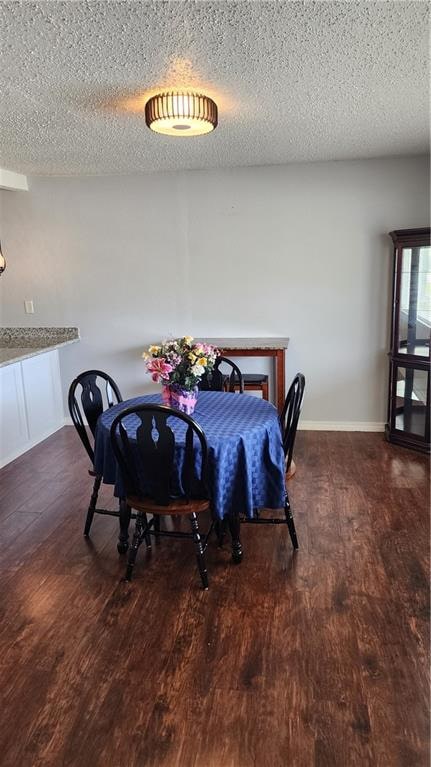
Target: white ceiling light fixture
x=181 y=114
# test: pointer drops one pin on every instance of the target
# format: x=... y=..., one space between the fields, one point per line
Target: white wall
x=299 y=250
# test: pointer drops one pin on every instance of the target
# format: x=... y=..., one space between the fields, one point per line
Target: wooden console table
x=258 y=347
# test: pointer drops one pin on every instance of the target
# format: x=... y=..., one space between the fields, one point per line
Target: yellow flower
x=192 y=357
x=203 y=362
x=188 y=340
x=154 y=349
x=145 y=355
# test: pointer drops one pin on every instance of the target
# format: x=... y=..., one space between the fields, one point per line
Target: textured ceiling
x=294 y=81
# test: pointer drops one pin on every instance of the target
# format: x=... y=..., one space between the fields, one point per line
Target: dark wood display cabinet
x=409 y=384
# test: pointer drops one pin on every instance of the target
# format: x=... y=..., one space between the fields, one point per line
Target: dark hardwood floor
x=318 y=658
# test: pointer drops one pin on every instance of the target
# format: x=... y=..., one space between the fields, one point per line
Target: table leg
x=234 y=527
x=280 y=379
x=123 y=538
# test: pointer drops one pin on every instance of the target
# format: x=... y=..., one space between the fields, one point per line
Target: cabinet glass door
x=414 y=314
x=411 y=401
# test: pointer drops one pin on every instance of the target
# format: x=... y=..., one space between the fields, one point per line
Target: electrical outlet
x=29 y=307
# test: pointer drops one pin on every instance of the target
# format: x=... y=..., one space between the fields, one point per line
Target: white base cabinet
x=31 y=406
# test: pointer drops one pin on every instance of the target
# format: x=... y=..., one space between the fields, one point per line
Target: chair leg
x=147 y=536
x=290 y=522
x=123 y=538
x=199 y=551
x=156 y=526
x=234 y=527
x=92 y=506
x=138 y=537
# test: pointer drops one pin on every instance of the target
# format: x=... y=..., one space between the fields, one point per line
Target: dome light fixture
x=181 y=114
x=2 y=261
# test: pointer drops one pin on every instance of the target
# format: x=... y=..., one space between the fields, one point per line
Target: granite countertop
x=247 y=343
x=17 y=344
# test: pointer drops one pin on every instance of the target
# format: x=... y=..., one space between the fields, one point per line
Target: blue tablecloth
x=246 y=459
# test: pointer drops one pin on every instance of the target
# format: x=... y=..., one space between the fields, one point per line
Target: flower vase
x=179 y=398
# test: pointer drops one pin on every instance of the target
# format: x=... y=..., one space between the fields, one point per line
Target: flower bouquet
x=179 y=365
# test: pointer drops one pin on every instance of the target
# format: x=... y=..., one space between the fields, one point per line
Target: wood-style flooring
x=314 y=659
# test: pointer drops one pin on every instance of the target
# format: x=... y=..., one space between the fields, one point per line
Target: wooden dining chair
x=289 y=423
x=147 y=451
x=219 y=381
x=90 y=394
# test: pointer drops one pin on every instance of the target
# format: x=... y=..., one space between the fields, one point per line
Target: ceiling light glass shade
x=2 y=262
x=181 y=114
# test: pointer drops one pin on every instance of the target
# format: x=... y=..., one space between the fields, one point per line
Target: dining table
x=246 y=469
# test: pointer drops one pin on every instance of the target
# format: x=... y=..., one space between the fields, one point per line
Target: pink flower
x=159 y=368
x=207 y=350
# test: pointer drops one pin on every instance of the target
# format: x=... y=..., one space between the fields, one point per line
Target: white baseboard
x=28 y=446
x=341 y=426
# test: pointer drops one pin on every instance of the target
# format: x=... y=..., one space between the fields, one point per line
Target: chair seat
x=177 y=506
x=254 y=378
